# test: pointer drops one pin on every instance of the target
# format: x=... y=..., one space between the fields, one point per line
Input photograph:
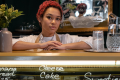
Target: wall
x=30 y=7
x=116 y=7
x=0 y=1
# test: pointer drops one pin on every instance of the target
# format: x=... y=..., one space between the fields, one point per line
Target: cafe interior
x=87 y=64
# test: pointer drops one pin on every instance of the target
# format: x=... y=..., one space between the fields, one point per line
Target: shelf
x=60 y=30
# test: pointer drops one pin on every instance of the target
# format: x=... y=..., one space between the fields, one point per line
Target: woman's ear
x=40 y=19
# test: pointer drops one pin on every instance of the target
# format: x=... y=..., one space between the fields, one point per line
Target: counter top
x=58 y=55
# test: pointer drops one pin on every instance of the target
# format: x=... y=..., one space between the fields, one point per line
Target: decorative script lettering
x=44 y=68
x=107 y=78
x=7 y=72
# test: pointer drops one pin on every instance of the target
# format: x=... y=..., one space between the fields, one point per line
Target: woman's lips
x=52 y=27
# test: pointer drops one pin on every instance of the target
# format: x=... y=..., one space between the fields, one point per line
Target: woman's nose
x=53 y=21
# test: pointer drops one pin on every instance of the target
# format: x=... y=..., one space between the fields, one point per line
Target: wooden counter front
x=58 y=55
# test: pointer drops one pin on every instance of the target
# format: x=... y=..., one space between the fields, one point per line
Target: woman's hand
x=77 y=45
x=62 y=47
x=20 y=45
x=50 y=43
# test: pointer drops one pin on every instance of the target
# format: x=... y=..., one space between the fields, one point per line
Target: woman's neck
x=47 y=34
x=80 y=15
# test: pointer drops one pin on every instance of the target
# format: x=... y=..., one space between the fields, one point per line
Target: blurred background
x=30 y=7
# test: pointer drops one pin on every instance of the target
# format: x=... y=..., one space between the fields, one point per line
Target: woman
x=49 y=16
x=81 y=21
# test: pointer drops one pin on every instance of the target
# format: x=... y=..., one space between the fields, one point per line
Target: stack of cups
x=98 y=41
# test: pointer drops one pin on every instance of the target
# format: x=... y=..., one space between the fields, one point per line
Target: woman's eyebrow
x=49 y=14
x=52 y=15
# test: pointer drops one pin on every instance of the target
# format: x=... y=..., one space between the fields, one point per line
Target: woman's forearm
x=77 y=45
x=20 y=45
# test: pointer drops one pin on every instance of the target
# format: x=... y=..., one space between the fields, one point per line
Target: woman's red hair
x=46 y=4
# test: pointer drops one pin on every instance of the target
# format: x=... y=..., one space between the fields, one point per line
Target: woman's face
x=51 y=20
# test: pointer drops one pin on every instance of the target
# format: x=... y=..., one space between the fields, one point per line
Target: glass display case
x=83 y=70
x=59 y=65
x=65 y=70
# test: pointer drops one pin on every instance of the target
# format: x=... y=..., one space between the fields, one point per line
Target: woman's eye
x=49 y=17
x=57 y=18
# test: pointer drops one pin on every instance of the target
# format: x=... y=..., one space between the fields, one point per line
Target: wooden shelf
x=60 y=30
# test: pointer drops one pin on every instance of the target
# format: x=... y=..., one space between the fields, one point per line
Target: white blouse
x=64 y=38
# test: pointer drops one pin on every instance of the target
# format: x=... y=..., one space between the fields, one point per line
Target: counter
x=66 y=64
x=58 y=55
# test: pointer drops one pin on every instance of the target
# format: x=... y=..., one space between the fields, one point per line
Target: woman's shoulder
x=67 y=35
x=30 y=36
x=60 y=35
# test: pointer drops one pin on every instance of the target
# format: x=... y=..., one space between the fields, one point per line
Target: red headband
x=46 y=4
